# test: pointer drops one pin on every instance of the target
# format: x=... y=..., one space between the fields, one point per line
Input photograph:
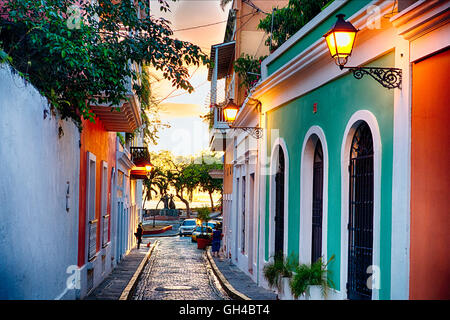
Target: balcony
x=217 y=133
x=126 y=119
x=142 y=165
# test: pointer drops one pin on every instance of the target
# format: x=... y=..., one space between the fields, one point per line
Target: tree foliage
x=80 y=52
x=184 y=175
x=249 y=70
x=288 y=20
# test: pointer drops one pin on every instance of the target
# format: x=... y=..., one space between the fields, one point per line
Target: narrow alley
x=177 y=270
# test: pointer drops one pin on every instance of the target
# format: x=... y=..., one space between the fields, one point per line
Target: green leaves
x=278 y=268
x=288 y=20
x=74 y=60
x=248 y=68
x=315 y=274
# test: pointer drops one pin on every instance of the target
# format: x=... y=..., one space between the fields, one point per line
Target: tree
x=186 y=177
x=158 y=181
x=283 y=23
x=208 y=183
x=81 y=52
x=184 y=174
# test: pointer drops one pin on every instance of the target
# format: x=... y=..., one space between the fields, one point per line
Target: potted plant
x=278 y=273
x=312 y=280
x=203 y=239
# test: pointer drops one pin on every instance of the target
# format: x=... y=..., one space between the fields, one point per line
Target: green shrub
x=315 y=274
x=280 y=267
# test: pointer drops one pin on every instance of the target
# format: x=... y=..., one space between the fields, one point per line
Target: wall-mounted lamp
x=230 y=112
x=340 y=40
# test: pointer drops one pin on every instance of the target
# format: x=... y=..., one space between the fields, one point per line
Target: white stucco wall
x=38 y=236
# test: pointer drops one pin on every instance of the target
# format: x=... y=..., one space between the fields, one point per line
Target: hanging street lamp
x=230 y=112
x=340 y=40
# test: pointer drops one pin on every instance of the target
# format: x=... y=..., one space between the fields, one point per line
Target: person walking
x=216 y=238
x=138 y=234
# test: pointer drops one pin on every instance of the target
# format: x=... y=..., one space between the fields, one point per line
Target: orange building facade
x=97 y=163
x=430 y=178
x=109 y=197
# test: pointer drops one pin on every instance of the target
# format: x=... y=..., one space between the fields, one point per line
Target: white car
x=188 y=226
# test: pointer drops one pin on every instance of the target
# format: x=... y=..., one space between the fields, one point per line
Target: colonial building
x=346 y=166
x=241 y=38
x=110 y=192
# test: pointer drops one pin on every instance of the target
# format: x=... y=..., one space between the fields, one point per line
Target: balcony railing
x=140 y=156
x=125 y=117
x=219 y=120
x=141 y=159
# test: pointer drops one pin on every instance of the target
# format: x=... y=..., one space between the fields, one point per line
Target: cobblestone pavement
x=177 y=270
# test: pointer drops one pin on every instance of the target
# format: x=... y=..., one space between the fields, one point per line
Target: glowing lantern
x=230 y=111
x=340 y=40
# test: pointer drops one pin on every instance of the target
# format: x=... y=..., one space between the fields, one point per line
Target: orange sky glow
x=188 y=134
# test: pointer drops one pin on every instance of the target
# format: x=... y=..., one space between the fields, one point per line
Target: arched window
x=360 y=226
x=279 y=203
x=317 y=203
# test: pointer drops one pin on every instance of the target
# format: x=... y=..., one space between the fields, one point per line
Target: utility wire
x=209 y=24
x=251 y=4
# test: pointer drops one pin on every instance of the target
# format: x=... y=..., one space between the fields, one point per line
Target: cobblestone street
x=177 y=270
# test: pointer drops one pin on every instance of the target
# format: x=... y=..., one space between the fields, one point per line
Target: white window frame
x=273 y=168
x=306 y=179
x=104 y=204
x=90 y=203
x=352 y=125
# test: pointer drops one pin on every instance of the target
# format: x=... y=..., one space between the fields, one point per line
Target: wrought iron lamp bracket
x=255 y=132
x=388 y=77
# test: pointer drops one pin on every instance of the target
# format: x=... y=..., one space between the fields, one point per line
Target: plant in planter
x=279 y=268
x=306 y=276
x=249 y=70
x=203 y=239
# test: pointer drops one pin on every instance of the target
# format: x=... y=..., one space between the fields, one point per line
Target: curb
x=230 y=290
x=126 y=293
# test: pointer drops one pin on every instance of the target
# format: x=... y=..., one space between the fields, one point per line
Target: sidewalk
x=121 y=280
x=235 y=282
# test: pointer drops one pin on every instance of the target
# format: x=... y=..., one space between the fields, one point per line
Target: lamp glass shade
x=340 y=40
x=230 y=111
x=340 y=44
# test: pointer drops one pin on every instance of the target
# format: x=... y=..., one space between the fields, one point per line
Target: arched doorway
x=317 y=203
x=279 y=203
x=360 y=224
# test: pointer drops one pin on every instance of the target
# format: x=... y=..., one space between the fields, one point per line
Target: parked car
x=212 y=224
x=187 y=227
x=198 y=230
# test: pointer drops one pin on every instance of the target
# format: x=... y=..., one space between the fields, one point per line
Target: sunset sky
x=188 y=133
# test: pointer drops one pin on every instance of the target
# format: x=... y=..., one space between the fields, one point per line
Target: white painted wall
x=38 y=236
